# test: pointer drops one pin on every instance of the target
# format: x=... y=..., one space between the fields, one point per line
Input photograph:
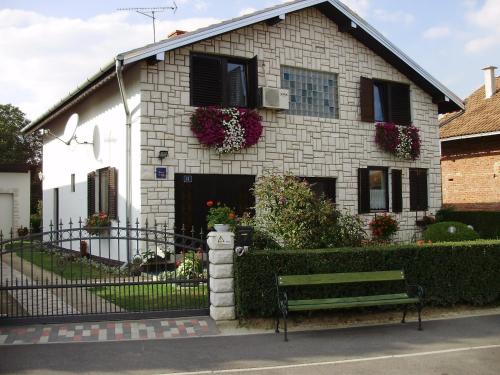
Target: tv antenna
x=150 y=13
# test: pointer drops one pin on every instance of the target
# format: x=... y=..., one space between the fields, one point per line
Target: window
x=223 y=81
x=312 y=93
x=373 y=189
x=73 y=187
x=323 y=186
x=418 y=189
x=102 y=192
x=384 y=101
x=397 y=190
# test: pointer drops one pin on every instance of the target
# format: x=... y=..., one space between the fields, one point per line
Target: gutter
x=128 y=156
x=479 y=135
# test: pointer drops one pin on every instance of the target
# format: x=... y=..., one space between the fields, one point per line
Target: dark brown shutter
x=253 y=83
x=363 y=191
x=91 y=194
x=422 y=190
x=400 y=104
x=397 y=191
x=206 y=81
x=413 y=190
x=112 y=193
x=366 y=100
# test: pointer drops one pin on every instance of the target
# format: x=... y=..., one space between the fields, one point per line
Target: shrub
x=486 y=223
x=451 y=273
x=290 y=212
x=348 y=230
x=383 y=227
x=444 y=232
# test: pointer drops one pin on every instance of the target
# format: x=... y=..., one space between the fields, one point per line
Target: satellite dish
x=70 y=128
x=96 y=142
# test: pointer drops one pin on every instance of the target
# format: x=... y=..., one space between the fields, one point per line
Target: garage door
x=6 y=213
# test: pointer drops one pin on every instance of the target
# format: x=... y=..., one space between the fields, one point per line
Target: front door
x=192 y=191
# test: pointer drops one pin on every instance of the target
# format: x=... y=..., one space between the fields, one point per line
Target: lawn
x=155 y=297
x=68 y=267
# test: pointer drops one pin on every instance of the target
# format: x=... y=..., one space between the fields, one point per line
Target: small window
x=312 y=93
x=418 y=189
x=223 y=81
x=323 y=187
x=373 y=189
x=102 y=192
x=384 y=101
x=378 y=189
x=73 y=187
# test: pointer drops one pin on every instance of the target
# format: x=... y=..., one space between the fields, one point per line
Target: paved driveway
x=452 y=347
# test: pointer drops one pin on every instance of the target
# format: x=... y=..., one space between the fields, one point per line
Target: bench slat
x=380 y=297
x=342 y=305
x=340 y=278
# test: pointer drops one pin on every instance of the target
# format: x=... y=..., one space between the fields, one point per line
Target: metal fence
x=75 y=272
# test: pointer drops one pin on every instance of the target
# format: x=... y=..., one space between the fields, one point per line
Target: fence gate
x=77 y=273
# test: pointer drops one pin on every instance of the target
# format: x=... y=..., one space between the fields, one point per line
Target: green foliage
x=220 y=214
x=290 y=212
x=36 y=219
x=348 y=230
x=383 y=227
x=451 y=273
x=17 y=148
x=190 y=267
x=441 y=232
x=486 y=223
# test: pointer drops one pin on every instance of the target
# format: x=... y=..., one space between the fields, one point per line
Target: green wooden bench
x=409 y=294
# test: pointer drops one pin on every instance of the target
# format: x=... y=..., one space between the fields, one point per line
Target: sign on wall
x=161 y=173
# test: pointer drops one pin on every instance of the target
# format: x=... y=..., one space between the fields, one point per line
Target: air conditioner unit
x=274 y=98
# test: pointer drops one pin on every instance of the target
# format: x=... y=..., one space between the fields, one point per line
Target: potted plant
x=220 y=217
x=98 y=224
x=383 y=227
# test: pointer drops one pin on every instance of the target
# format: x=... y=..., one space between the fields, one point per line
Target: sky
x=49 y=47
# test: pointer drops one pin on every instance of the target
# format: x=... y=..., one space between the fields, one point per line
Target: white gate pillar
x=220 y=256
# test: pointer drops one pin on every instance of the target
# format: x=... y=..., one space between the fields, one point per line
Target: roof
x=481 y=116
x=347 y=20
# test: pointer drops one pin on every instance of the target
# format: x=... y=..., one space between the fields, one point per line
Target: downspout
x=128 y=156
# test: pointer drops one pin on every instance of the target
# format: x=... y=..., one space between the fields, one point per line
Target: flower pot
x=221 y=227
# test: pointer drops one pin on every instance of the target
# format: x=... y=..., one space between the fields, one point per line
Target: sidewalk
x=150 y=329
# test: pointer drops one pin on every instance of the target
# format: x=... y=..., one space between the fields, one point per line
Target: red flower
x=232 y=215
x=177 y=263
x=210 y=203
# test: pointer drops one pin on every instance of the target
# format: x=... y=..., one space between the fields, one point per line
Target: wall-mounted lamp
x=162 y=154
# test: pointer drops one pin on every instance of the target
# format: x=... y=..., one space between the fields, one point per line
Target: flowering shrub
x=402 y=141
x=220 y=214
x=226 y=129
x=383 y=227
x=97 y=223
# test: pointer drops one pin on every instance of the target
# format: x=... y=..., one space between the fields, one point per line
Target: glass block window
x=312 y=93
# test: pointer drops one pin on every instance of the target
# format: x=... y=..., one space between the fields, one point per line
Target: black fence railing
x=75 y=272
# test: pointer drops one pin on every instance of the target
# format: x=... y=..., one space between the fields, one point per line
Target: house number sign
x=161 y=173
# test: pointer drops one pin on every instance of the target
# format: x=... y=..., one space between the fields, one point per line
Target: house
x=135 y=155
x=470 y=150
x=15 y=185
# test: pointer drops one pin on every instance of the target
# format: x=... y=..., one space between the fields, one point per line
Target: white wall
x=102 y=109
x=15 y=201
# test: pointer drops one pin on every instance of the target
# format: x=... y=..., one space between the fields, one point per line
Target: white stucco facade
x=14 y=202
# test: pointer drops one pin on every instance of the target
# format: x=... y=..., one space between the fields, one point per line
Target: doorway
x=192 y=191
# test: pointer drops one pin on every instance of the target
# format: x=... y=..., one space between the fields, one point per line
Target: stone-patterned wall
x=308 y=146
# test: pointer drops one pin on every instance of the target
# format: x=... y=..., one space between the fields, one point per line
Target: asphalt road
x=463 y=346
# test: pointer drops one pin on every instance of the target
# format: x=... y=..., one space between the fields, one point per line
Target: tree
x=18 y=148
x=15 y=147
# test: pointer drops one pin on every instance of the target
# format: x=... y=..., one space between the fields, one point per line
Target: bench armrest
x=415 y=290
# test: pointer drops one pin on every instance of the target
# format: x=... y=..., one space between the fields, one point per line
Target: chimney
x=176 y=33
x=489 y=81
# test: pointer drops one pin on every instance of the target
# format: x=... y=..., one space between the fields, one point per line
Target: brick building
x=470 y=150
x=320 y=51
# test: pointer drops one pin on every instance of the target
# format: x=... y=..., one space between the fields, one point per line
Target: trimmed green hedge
x=486 y=223
x=439 y=232
x=451 y=273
